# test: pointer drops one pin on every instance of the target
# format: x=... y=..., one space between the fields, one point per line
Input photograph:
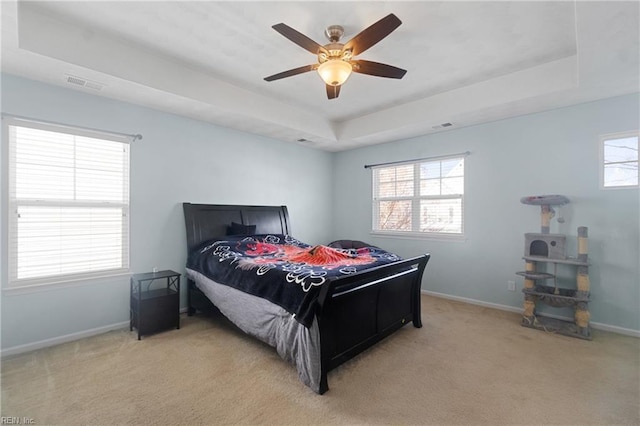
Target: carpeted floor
x=467 y=365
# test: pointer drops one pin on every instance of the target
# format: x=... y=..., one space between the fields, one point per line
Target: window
x=68 y=203
x=619 y=155
x=419 y=198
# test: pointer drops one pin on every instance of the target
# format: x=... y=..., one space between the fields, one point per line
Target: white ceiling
x=467 y=62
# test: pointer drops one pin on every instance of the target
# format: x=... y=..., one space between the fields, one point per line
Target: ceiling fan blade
x=333 y=91
x=291 y=73
x=299 y=38
x=373 y=34
x=377 y=69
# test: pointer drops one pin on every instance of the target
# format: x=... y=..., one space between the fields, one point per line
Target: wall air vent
x=83 y=82
x=75 y=80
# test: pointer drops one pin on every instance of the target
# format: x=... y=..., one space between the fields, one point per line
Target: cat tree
x=545 y=248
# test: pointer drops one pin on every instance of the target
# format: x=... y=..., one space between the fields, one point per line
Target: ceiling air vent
x=83 y=82
x=440 y=126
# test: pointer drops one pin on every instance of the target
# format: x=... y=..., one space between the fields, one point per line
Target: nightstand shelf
x=154 y=309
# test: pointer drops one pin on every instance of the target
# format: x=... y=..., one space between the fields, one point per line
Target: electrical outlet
x=511 y=285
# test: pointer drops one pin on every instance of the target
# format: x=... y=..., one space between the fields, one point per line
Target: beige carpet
x=467 y=365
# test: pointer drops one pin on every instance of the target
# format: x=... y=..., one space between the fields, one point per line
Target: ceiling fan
x=336 y=60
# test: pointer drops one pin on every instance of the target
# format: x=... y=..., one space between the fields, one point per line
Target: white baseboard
x=62 y=339
x=594 y=325
x=15 y=350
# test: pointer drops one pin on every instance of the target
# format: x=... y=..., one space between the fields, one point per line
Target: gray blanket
x=270 y=323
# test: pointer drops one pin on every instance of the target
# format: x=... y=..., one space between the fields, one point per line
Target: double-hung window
x=619 y=167
x=419 y=198
x=68 y=203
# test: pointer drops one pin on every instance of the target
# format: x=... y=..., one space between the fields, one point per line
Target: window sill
x=607 y=188
x=420 y=236
x=37 y=287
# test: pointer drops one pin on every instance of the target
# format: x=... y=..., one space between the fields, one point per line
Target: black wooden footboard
x=358 y=310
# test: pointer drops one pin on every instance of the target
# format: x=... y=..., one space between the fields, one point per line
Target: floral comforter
x=281 y=269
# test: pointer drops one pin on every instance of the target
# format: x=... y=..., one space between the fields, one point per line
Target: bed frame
x=354 y=312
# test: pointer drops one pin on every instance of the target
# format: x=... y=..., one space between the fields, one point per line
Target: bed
x=346 y=313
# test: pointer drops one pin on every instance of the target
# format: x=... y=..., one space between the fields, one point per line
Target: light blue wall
x=328 y=196
x=554 y=152
x=178 y=160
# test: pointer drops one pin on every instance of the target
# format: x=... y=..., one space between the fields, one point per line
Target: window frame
x=11 y=203
x=415 y=199
x=601 y=164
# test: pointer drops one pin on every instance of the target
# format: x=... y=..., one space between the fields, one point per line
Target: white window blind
x=619 y=160
x=68 y=204
x=423 y=197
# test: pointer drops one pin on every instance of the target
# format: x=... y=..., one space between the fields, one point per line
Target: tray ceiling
x=467 y=62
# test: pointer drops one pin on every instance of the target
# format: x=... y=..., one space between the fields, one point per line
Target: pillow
x=349 y=244
x=240 y=229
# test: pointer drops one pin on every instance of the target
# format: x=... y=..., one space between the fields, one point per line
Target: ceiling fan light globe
x=335 y=72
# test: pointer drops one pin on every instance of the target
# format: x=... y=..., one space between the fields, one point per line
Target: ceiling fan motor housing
x=334 y=33
x=335 y=49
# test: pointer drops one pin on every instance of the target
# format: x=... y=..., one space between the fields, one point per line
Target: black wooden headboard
x=206 y=221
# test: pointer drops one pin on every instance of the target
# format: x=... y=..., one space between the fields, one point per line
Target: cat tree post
x=583 y=284
x=546 y=214
x=529 y=299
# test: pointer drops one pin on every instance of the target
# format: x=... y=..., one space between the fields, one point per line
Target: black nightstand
x=154 y=309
